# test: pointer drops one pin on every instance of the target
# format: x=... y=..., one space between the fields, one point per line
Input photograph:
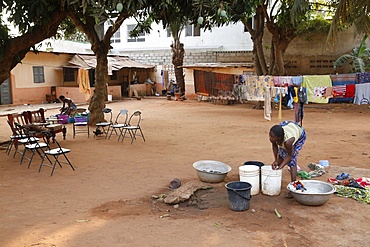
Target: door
x=5 y=93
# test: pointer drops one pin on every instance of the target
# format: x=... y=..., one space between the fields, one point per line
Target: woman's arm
x=288 y=144
x=275 y=148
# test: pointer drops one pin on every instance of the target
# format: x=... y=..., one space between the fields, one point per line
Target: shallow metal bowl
x=211 y=171
x=317 y=193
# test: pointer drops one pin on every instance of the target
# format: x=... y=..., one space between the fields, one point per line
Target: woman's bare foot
x=289 y=195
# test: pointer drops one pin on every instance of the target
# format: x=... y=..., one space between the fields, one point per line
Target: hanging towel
x=267 y=108
x=255 y=86
x=84 y=83
x=350 y=91
x=282 y=81
x=329 y=92
x=297 y=80
x=316 y=85
x=339 y=91
x=342 y=80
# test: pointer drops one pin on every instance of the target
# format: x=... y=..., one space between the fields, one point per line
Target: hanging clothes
x=83 y=81
x=276 y=93
x=316 y=85
x=363 y=77
x=267 y=106
x=297 y=80
x=362 y=95
x=299 y=106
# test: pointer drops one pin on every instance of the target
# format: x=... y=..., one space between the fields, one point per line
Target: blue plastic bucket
x=239 y=195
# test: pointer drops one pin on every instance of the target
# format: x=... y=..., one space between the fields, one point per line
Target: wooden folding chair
x=13 y=139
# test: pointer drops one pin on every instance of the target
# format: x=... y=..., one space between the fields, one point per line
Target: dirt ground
x=107 y=200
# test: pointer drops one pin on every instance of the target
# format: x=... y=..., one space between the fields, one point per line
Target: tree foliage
x=174 y=16
x=359 y=58
x=90 y=17
x=351 y=12
x=35 y=20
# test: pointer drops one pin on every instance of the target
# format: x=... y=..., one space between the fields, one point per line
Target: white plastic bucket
x=251 y=174
x=110 y=97
x=270 y=181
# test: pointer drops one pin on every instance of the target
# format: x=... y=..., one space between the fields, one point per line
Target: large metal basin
x=317 y=193
x=211 y=171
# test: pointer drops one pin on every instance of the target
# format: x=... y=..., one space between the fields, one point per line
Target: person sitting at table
x=71 y=106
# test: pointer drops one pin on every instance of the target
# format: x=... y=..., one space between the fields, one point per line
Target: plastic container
x=64 y=118
x=325 y=164
x=270 y=181
x=254 y=163
x=239 y=194
x=251 y=174
x=175 y=183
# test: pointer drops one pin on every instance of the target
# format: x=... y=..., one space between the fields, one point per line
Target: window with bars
x=116 y=38
x=192 y=30
x=38 y=74
x=169 y=33
x=113 y=77
x=69 y=74
x=140 y=38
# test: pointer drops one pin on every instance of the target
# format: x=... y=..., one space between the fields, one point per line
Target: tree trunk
x=100 y=45
x=272 y=59
x=281 y=40
x=178 y=60
x=279 y=59
x=97 y=102
x=257 y=38
x=261 y=55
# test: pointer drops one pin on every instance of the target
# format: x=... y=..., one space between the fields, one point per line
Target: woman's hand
x=275 y=165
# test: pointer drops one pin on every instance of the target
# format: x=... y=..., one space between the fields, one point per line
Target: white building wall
x=226 y=38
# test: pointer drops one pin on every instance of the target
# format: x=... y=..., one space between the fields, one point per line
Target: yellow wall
x=53 y=71
x=25 y=91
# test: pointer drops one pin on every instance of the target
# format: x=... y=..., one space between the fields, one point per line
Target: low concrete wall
x=38 y=95
x=74 y=93
x=141 y=89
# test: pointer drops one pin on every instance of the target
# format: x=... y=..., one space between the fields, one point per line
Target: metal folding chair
x=103 y=126
x=56 y=153
x=81 y=125
x=32 y=145
x=121 y=121
x=133 y=127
